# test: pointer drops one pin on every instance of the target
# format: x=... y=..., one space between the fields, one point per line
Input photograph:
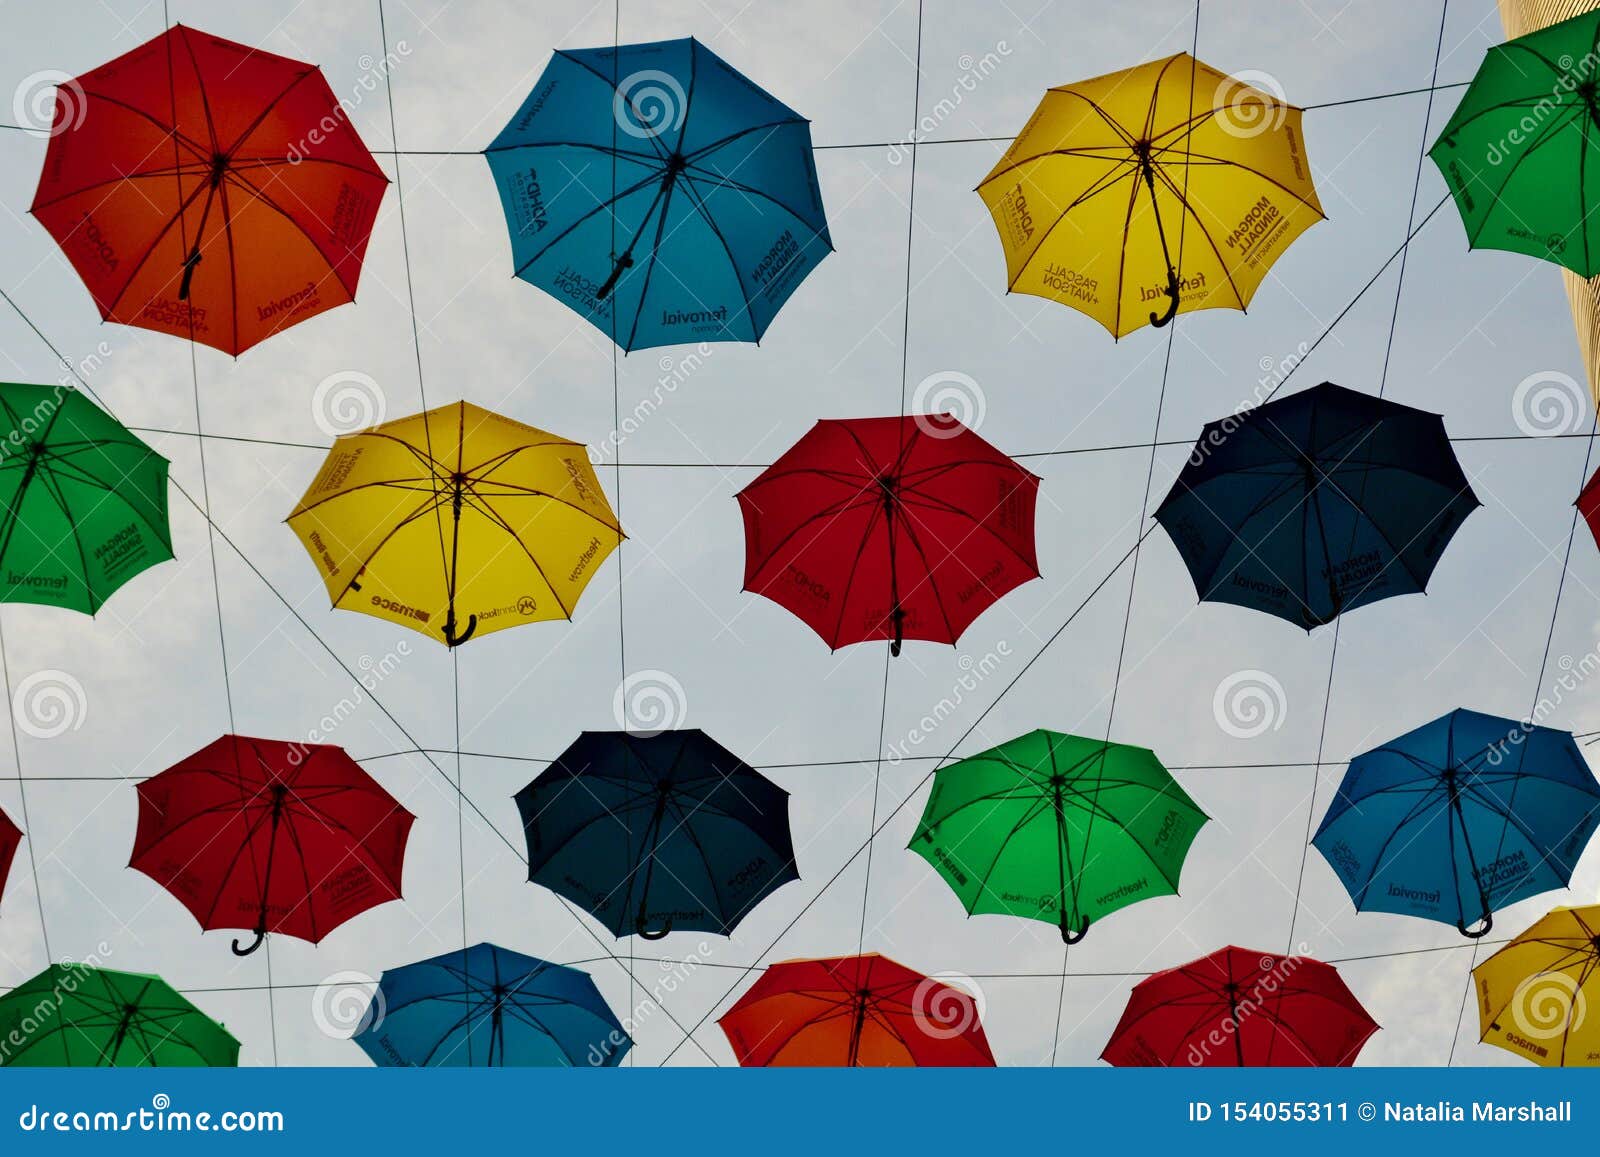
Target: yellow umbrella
x=456 y=515
x=1534 y=995
x=1166 y=187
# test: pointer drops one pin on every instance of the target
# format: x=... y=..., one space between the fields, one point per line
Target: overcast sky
x=1471 y=328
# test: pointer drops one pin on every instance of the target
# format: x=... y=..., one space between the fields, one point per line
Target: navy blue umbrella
x=1315 y=504
x=489 y=1006
x=652 y=833
x=1464 y=815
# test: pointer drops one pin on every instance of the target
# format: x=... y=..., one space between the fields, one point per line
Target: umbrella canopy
x=1536 y=995
x=10 y=840
x=850 y=1011
x=208 y=189
x=76 y=1016
x=1317 y=503
x=1589 y=505
x=490 y=1006
x=657 y=833
x=1239 y=1007
x=1159 y=189
x=1057 y=828
x=1460 y=817
x=85 y=500
x=1516 y=151
x=889 y=528
x=456 y=522
x=270 y=836
x=660 y=194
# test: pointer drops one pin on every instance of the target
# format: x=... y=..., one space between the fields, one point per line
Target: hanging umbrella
x=657 y=833
x=85 y=500
x=660 y=194
x=1460 y=817
x=270 y=836
x=1539 y=996
x=10 y=840
x=456 y=521
x=76 y=1016
x=1057 y=828
x=489 y=1006
x=1163 y=188
x=1239 y=1007
x=1520 y=149
x=1589 y=505
x=849 y=1011
x=1316 y=504
x=208 y=189
x=889 y=528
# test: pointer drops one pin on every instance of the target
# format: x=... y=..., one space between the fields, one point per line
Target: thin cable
x=22 y=793
x=1383 y=384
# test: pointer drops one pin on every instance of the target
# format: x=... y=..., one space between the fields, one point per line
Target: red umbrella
x=1237 y=1007
x=272 y=837
x=889 y=528
x=208 y=189
x=10 y=838
x=1589 y=505
x=855 y=1011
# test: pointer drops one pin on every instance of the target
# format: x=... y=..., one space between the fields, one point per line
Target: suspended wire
x=1383 y=385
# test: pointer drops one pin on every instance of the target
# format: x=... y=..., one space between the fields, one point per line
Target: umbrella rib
x=854 y=501
x=193 y=169
x=266 y=110
x=725 y=182
x=600 y=207
x=1416 y=810
x=664 y=199
x=705 y=215
x=1106 y=183
x=1183 y=203
x=138 y=266
x=1545 y=137
x=46 y=479
x=875 y=510
x=197 y=148
x=938 y=504
x=258 y=193
x=1206 y=157
x=199 y=83
x=717 y=144
x=57 y=463
x=905 y=527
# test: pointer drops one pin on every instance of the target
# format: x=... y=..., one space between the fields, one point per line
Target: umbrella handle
x=1172 y=302
x=1069 y=936
x=451 y=639
x=1488 y=923
x=261 y=934
x=898 y=617
x=651 y=933
x=623 y=263
x=189 y=264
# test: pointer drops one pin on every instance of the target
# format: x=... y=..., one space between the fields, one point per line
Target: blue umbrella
x=660 y=194
x=488 y=1006
x=652 y=833
x=1460 y=817
x=1315 y=504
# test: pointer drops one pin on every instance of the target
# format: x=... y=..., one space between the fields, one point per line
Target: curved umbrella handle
x=451 y=639
x=1172 y=302
x=1068 y=935
x=261 y=934
x=1488 y=923
x=651 y=933
x=898 y=617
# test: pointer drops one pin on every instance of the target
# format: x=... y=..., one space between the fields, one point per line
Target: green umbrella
x=1057 y=828
x=1520 y=155
x=85 y=502
x=72 y=1015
